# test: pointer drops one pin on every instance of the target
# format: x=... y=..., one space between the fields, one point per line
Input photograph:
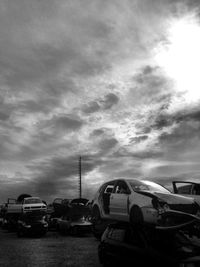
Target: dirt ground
x=51 y=250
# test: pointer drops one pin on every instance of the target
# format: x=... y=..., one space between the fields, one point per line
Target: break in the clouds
x=116 y=82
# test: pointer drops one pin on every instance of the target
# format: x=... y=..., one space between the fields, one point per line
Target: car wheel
x=96 y=217
x=136 y=216
x=96 y=223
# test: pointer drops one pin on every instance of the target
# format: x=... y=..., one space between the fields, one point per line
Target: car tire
x=136 y=216
x=96 y=222
x=96 y=214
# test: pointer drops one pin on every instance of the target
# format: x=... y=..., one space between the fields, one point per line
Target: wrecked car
x=33 y=223
x=124 y=245
x=141 y=201
x=75 y=220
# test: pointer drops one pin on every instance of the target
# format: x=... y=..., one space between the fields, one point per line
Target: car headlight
x=160 y=205
x=27 y=225
x=166 y=207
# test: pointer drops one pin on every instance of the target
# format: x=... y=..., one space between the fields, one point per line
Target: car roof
x=31 y=198
x=123 y=179
x=129 y=180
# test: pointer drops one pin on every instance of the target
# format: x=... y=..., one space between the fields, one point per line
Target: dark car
x=123 y=245
x=53 y=223
x=32 y=224
x=75 y=221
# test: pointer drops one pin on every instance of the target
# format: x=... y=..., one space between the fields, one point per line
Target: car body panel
x=119 y=205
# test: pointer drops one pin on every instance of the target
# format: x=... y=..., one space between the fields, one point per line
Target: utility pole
x=80 y=185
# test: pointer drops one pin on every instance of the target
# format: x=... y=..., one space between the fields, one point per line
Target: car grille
x=188 y=208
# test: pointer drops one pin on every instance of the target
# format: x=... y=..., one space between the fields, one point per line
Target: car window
x=109 y=188
x=184 y=189
x=32 y=201
x=116 y=234
x=121 y=188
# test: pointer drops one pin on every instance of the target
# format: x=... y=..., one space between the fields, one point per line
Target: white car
x=141 y=201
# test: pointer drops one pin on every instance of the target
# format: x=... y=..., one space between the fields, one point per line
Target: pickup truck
x=186 y=188
x=14 y=209
x=28 y=204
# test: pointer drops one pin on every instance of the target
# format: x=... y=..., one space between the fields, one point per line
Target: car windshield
x=148 y=186
x=32 y=201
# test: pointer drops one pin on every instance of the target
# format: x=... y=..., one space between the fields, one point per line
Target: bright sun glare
x=180 y=56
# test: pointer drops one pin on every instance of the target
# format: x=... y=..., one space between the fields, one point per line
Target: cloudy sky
x=115 y=82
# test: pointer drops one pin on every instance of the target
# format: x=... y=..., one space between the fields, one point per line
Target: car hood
x=170 y=198
x=81 y=223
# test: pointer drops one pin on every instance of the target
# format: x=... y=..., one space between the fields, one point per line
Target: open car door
x=189 y=189
x=119 y=200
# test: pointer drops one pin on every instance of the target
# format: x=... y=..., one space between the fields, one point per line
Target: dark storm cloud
x=187 y=115
x=109 y=101
x=61 y=173
x=97 y=132
x=4 y=116
x=139 y=139
x=42 y=105
x=190 y=4
x=48 y=97
x=162 y=121
x=143 y=130
x=54 y=174
x=165 y=120
x=107 y=144
x=150 y=86
x=151 y=154
x=101 y=104
x=56 y=87
x=5 y=108
x=91 y=107
x=123 y=152
x=65 y=122
x=182 y=135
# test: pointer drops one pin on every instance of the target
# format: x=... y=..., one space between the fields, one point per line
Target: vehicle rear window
x=109 y=189
x=32 y=201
